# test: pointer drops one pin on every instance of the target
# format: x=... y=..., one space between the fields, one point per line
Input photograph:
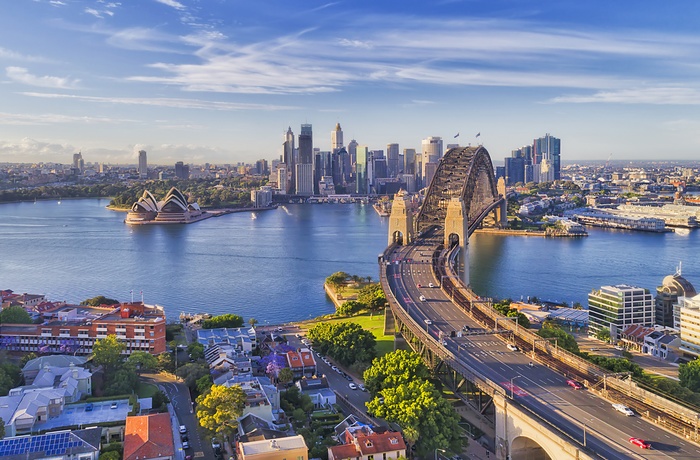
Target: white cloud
x=657 y=96
x=354 y=43
x=94 y=12
x=57 y=3
x=22 y=75
x=20 y=119
x=9 y=54
x=164 y=102
x=172 y=3
x=29 y=149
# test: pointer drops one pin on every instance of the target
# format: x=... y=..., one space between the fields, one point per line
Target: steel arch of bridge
x=465 y=172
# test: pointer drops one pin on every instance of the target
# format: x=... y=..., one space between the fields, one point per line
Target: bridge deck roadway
x=538 y=388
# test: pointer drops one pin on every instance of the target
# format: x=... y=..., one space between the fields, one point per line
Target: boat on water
x=682 y=231
x=383 y=208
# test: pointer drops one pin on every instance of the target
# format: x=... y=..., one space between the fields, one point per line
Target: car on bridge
x=431 y=285
x=512 y=347
x=624 y=409
x=574 y=384
x=422 y=298
x=428 y=322
x=641 y=443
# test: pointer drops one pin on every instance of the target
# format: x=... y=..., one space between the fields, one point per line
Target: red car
x=574 y=384
x=641 y=443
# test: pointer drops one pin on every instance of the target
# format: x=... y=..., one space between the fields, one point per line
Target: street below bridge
x=535 y=387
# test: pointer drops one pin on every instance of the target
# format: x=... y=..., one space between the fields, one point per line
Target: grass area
x=373 y=323
x=146 y=390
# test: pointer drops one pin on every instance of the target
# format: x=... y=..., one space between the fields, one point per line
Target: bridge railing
x=649 y=400
x=486 y=385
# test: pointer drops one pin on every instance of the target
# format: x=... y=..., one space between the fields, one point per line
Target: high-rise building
x=182 y=171
x=288 y=159
x=431 y=152
x=514 y=170
x=336 y=138
x=617 y=307
x=78 y=162
x=306 y=145
x=362 y=152
x=304 y=170
x=143 y=165
x=304 y=179
x=547 y=150
x=392 y=160
x=352 y=152
x=409 y=161
x=689 y=308
x=282 y=177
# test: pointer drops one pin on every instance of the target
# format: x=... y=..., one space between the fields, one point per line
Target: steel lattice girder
x=465 y=172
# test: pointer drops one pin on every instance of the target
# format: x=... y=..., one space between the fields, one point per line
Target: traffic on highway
x=562 y=402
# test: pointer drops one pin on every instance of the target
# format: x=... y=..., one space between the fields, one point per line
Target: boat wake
x=253 y=216
x=284 y=208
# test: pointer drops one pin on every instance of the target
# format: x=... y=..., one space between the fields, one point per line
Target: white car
x=428 y=322
x=422 y=298
x=624 y=409
x=512 y=347
x=352 y=386
x=431 y=285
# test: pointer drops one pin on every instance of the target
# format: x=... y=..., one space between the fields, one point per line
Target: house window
x=384 y=456
x=370 y=457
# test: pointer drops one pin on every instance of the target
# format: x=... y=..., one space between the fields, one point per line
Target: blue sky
x=220 y=81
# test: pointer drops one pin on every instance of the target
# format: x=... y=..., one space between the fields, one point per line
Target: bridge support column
x=457 y=233
x=502 y=210
x=400 y=220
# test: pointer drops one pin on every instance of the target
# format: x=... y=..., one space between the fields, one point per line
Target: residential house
x=58 y=445
x=660 y=344
x=289 y=448
x=633 y=336
x=149 y=437
x=301 y=362
x=318 y=390
x=360 y=441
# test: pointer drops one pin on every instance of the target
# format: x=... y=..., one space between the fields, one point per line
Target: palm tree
x=252 y=322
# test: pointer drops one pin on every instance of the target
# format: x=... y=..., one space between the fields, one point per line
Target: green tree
x=603 y=335
x=196 y=351
x=227 y=320
x=393 y=369
x=123 y=381
x=26 y=358
x=219 y=409
x=10 y=377
x=191 y=372
x=349 y=307
x=689 y=375
x=253 y=322
x=285 y=376
x=110 y=456
x=337 y=279
x=373 y=296
x=142 y=361
x=564 y=339
x=15 y=315
x=159 y=399
x=204 y=384
x=347 y=343
x=422 y=413
x=166 y=362
x=99 y=300
x=2 y=428
x=107 y=352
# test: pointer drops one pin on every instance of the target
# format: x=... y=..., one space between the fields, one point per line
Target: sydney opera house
x=174 y=209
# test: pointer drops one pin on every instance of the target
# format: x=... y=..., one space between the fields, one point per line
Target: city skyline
x=221 y=83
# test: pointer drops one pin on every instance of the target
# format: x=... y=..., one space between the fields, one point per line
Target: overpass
x=534 y=413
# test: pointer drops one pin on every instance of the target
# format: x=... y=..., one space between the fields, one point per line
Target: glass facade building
x=618 y=307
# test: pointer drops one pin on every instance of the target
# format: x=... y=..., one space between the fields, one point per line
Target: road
x=537 y=388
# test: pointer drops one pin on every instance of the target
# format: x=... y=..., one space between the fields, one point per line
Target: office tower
x=306 y=144
x=617 y=307
x=304 y=179
x=431 y=152
x=547 y=150
x=410 y=181
x=143 y=165
x=78 y=162
x=666 y=301
x=430 y=169
x=288 y=159
x=282 y=177
x=514 y=170
x=352 y=152
x=182 y=171
x=336 y=138
x=362 y=152
x=304 y=170
x=392 y=160
x=689 y=310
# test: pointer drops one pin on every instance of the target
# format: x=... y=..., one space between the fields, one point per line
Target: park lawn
x=375 y=324
x=146 y=390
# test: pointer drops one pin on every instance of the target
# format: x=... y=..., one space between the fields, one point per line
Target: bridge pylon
x=457 y=233
x=400 y=220
x=502 y=210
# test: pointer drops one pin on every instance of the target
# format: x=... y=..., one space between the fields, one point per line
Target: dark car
x=88 y=407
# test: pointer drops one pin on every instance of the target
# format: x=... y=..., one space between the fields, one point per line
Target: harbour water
x=271 y=264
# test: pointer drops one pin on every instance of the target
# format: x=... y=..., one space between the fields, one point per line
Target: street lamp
x=584 y=430
x=512 y=393
x=436 y=450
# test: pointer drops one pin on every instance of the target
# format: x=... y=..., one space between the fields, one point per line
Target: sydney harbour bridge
x=514 y=385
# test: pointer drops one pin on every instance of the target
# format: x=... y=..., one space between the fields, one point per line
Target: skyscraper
x=392 y=157
x=409 y=161
x=78 y=163
x=143 y=165
x=304 y=170
x=362 y=153
x=336 y=138
x=288 y=158
x=431 y=153
x=306 y=144
x=182 y=171
x=547 y=150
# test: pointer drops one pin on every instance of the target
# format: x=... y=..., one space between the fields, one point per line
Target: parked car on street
x=352 y=386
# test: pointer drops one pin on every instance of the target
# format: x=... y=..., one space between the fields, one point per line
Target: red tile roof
x=343 y=451
x=363 y=444
x=148 y=436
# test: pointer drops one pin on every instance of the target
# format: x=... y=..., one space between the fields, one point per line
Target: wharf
x=543 y=233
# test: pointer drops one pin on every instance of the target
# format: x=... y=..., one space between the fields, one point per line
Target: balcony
x=101 y=336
